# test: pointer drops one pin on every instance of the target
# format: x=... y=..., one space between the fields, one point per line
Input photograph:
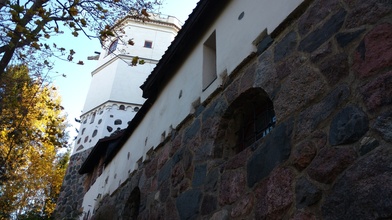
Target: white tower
x=114 y=95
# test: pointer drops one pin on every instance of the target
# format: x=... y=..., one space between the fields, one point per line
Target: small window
x=95 y=133
x=209 y=61
x=148 y=44
x=118 y=122
x=258 y=119
x=85 y=139
x=249 y=118
x=113 y=46
x=122 y=107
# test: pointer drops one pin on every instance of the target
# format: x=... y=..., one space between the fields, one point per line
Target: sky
x=74 y=86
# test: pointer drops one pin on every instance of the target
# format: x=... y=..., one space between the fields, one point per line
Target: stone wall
x=328 y=72
x=70 y=200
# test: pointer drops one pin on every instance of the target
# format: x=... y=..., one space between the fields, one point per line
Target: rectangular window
x=92 y=118
x=148 y=44
x=209 y=61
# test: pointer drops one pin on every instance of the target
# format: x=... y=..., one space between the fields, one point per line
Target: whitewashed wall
x=234 y=42
x=105 y=115
x=115 y=79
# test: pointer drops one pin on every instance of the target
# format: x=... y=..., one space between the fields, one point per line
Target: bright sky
x=73 y=88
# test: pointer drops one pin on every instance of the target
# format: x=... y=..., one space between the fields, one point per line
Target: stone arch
x=131 y=209
x=249 y=118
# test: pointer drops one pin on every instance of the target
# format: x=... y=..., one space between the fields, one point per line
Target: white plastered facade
x=235 y=39
x=115 y=82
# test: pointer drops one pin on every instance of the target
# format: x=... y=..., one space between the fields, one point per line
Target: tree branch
x=10 y=48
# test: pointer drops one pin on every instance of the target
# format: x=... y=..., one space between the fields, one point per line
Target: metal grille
x=258 y=121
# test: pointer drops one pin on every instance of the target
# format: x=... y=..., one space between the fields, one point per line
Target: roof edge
x=199 y=20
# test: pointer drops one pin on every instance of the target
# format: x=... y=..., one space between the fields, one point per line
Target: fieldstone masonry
x=72 y=191
x=328 y=72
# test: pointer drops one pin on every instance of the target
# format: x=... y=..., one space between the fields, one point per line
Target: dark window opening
x=113 y=46
x=132 y=206
x=247 y=120
x=209 y=61
x=95 y=133
x=122 y=107
x=148 y=44
x=85 y=139
x=258 y=120
x=118 y=122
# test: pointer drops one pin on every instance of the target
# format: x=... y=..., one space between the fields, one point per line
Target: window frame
x=209 y=61
x=148 y=44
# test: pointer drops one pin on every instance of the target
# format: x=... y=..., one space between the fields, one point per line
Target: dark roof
x=198 y=22
x=106 y=147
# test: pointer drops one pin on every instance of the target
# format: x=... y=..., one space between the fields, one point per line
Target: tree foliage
x=26 y=26
x=32 y=132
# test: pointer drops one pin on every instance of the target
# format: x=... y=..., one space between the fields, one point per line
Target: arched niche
x=131 y=209
x=249 y=118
